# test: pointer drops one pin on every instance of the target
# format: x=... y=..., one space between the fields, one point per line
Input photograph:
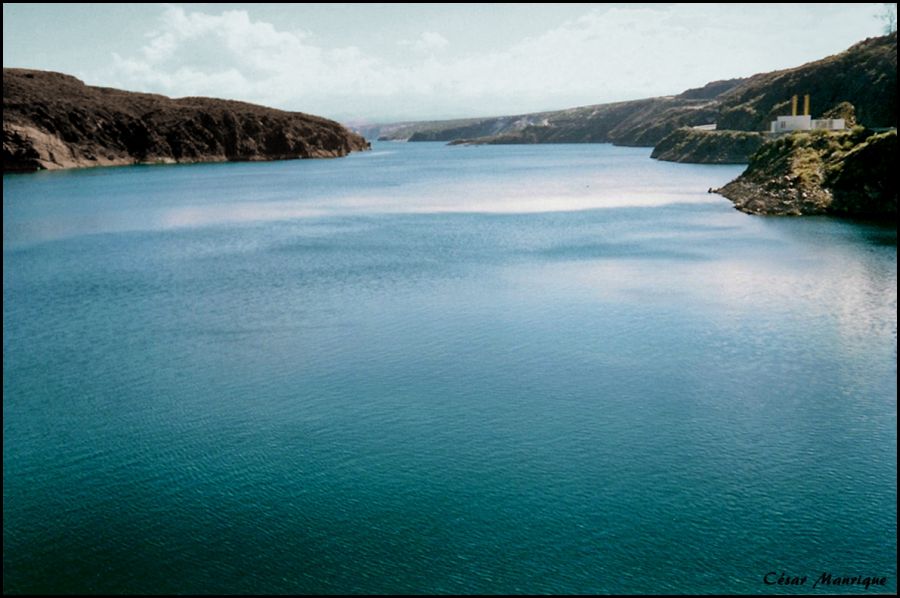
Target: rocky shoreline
x=848 y=174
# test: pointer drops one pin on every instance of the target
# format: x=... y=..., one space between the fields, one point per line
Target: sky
x=394 y=62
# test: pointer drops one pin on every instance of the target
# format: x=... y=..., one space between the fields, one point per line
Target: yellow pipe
x=806 y=105
x=794 y=105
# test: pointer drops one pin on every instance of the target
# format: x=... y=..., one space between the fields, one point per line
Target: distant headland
x=53 y=121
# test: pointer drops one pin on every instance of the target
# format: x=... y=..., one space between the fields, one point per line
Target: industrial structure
x=804 y=122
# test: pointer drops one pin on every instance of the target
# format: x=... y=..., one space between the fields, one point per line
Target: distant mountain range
x=865 y=75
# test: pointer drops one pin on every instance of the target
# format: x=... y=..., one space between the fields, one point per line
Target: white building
x=791 y=123
x=829 y=124
x=805 y=122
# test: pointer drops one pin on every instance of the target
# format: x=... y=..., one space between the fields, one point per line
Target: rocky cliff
x=708 y=147
x=844 y=174
x=52 y=120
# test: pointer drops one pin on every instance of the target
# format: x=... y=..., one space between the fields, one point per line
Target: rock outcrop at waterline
x=52 y=120
x=848 y=174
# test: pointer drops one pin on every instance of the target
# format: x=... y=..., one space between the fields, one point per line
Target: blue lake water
x=424 y=368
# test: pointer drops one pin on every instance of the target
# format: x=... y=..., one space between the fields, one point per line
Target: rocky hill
x=865 y=75
x=52 y=120
x=851 y=173
x=635 y=123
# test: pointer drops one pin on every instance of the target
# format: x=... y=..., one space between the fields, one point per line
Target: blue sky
x=381 y=63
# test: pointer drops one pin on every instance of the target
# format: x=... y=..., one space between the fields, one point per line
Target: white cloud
x=427 y=42
x=605 y=55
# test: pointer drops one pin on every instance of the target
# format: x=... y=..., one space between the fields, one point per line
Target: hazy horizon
x=388 y=63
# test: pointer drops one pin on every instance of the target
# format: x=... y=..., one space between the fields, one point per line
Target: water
x=440 y=369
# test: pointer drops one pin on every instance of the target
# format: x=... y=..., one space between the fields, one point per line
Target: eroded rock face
x=51 y=120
